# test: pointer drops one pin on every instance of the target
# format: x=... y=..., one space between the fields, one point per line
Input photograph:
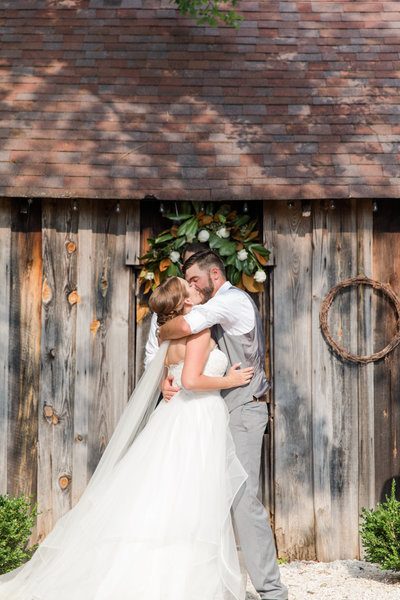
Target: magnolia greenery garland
x=232 y=236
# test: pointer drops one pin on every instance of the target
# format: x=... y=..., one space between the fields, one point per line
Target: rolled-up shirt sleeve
x=231 y=309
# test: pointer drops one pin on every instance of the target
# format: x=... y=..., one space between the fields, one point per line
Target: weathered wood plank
x=110 y=316
x=132 y=239
x=267 y=459
x=85 y=375
x=387 y=371
x=24 y=348
x=57 y=378
x=5 y=270
x=294 y=520
x=366 y=451
x=335 y=410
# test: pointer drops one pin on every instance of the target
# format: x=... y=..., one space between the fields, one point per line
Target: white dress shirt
x=229 y=307
x=152 y=342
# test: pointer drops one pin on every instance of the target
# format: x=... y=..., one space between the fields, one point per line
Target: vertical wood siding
x=24 y=348
x=323 y=426
x=387 y=371
x=5 y=275
x=70 y=353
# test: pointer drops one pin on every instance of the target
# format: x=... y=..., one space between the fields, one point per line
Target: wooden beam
x=294 y=520
x=334 y=386
x=24 y=348
x=57 y=378
x=5 y=270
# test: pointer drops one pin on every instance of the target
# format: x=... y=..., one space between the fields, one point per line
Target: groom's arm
x=199 y=318
x=174 y=329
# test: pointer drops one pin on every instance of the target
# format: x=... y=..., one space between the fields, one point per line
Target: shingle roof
x=123 y=98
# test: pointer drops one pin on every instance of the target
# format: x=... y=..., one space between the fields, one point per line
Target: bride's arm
x=197 y=351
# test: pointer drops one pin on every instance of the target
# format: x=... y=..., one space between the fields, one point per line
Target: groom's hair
x=205 y=260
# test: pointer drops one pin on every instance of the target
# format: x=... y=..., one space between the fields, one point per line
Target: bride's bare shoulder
x=176 y=351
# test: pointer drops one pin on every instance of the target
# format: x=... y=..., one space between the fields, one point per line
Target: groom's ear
x=215 y=273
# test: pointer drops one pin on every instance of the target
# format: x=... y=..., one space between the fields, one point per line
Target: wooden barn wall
x=67 y=301
x=68 y=361
x=324 y=408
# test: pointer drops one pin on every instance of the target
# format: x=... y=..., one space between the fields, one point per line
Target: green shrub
x=17 y=518
x=380 y=532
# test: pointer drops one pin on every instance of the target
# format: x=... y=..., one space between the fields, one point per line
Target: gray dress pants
x=247 y=424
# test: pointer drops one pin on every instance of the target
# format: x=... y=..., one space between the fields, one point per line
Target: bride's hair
x=168 y=299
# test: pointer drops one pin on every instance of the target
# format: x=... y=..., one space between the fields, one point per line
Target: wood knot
x=74 y=297
x=50 y=415
x=48 y=411
x=46 y=292
x=94 y=325
x=71 y=247
x=64 y=481
x=79 y=438
x=52 y=352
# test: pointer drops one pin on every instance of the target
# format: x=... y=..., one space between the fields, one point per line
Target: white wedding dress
x=155 y=523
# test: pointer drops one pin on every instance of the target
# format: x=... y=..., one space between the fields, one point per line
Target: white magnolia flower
x=203 y=236
x=149 y=276
x=174 y=256
x=242 y=254
x=222 y=232
x=260 y=276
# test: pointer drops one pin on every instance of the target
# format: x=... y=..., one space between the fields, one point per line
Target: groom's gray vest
x=249 y=349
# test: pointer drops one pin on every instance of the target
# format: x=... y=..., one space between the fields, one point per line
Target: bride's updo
x=168 y=299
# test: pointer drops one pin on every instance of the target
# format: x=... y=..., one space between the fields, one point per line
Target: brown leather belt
x=260 y=399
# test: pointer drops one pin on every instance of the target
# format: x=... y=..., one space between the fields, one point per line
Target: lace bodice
x=215 y=366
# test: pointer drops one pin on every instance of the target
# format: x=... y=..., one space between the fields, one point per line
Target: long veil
x=69 y=528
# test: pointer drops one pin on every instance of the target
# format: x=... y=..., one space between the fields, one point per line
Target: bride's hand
x=237 y=377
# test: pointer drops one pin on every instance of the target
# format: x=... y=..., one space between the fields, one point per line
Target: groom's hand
x=167 y=389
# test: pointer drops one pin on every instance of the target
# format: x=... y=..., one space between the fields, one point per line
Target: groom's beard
x=208 y=291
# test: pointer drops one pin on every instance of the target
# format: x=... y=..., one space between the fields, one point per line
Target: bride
x=154 y=522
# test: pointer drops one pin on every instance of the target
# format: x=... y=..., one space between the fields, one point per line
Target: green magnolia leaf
x=249 y=266
x=214 y=241
x=227 y=248
x=192 y=228
x=231 y=260
x=163 y=238
x=233 y=275
x=241 y=220
x=221 y=217
x=260 y=249
x=185 y=226
x=172 y=270
x=179 y=242
x=238 y=264
x=250 y=228
x=180 y=217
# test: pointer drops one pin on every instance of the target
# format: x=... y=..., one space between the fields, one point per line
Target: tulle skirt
x=160 y=529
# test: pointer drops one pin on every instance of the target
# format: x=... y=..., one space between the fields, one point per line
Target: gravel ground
x=338 y=580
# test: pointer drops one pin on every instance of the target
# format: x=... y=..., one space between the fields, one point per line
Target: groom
x=236 y=327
